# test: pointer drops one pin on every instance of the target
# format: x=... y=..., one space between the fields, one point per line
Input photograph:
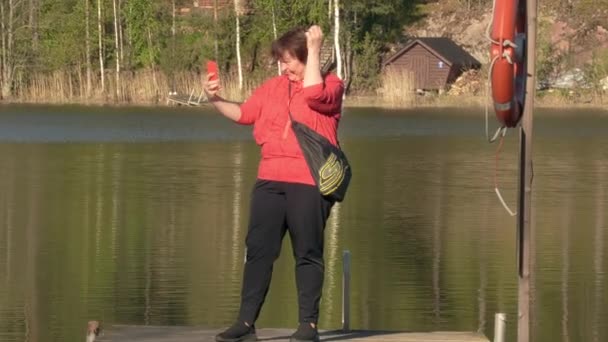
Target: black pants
x=277 y=207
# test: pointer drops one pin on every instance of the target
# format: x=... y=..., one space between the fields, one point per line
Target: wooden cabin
x=435 y=63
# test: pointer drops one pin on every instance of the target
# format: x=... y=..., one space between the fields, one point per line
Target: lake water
x=138 y=216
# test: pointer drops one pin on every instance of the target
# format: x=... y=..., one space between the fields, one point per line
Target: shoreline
x=358 y=101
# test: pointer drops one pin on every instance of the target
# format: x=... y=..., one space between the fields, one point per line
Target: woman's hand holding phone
x=212 y=86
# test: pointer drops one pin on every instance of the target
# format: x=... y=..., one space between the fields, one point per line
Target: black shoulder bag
x=326 y=162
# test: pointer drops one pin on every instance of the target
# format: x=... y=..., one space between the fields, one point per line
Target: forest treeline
x=139 y=50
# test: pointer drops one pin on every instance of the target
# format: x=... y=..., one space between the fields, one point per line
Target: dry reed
x=152 y=87
x=398 y=88
x=146 y=87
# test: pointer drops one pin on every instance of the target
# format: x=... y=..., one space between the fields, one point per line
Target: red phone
x=212 y=68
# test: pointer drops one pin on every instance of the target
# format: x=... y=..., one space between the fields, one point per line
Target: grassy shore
x=354 y=101
x=466 y=101
x=147 y=88
x=152 y=88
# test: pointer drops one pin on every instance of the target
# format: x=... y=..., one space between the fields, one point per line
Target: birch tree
x=88 y=65
x=151 y=56
x=366 y=29
x=173 y=25
x=238 y=11
x=144 y=31
x=215 y=38
x=117 y=51
x=2 y=49
x=173 y=46
x=274 y=31
x=100 y=40
x=33 y=23
x=120 y=34
x=15 y=43
x=337 y=38
x=8 y=17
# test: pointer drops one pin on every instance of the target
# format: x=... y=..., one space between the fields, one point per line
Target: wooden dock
x=124 y=333
x=139 y=333
x=185 y=100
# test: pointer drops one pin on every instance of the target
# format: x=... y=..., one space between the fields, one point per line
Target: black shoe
x=238 y=332
x=305 y=333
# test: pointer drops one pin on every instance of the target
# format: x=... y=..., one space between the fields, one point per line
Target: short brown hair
x=294 y=42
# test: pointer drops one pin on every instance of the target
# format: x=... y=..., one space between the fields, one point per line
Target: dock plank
x=186 y=100
x=123 y=333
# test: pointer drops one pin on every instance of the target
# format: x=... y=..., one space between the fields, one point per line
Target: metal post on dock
x=525 y=229
x=346 y=291
x=500 y=324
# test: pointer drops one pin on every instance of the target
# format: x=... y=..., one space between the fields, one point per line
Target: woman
x=285 y=197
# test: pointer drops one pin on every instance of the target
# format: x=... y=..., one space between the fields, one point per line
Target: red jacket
x=317 y=106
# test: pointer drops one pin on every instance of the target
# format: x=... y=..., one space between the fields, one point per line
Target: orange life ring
x=508 y=56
